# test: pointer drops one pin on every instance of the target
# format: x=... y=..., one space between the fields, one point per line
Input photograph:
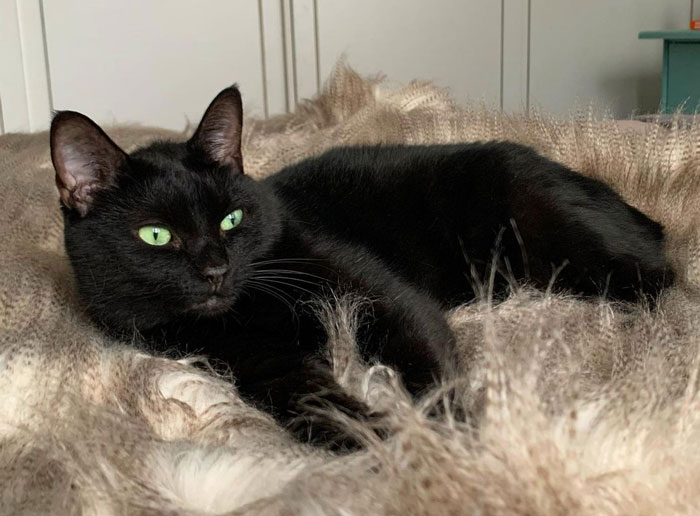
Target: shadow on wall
x=643 y=94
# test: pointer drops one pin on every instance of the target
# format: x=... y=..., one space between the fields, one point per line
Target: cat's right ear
x=84 y=157
x=218 y=136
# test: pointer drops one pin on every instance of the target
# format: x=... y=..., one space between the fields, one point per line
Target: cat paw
x=337 y=422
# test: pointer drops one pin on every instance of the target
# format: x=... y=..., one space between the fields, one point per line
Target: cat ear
x=84 y=157
x=218 y=137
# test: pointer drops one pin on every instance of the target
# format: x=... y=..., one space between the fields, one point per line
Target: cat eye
x=232 y=220
x=154 y=235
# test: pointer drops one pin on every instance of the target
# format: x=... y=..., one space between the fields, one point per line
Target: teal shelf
x=680 y=77
x=671 y=35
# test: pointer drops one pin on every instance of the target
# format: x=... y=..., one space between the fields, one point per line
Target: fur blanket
x=575 y=407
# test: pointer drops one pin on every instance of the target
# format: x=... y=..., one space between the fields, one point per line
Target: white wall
x=160 y=61
x=144 y=60
x=588 y=51
x=456 y=43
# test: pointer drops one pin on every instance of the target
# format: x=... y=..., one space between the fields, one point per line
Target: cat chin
x=212 y=306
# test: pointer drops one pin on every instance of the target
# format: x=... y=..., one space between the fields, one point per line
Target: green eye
x=232 y=220
x=154 y=235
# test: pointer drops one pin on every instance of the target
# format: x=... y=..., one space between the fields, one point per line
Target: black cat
x=175 y=242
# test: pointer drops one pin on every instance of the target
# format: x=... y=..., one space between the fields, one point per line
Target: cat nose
x=215 y=276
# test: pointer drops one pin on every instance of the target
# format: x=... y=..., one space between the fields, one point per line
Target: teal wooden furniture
x=680 y=79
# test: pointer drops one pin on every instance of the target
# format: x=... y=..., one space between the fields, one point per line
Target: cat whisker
x=285 y=275
x=290 y=271
x=233 y=313
x=271 y=291
x=277 y=280
x=257 y=281
x=287 y=296
x=286 y=260
x=315 y=262
x=289 y=281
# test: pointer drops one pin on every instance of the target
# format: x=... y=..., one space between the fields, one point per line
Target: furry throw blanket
x=574 y=407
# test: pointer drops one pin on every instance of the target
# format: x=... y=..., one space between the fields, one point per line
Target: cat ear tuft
x=218 y=136
x=84 y=157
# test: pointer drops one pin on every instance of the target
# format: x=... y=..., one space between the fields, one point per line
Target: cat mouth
x=212 y=305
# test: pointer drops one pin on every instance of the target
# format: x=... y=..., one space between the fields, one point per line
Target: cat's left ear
x=218 y=136
x=86 y=160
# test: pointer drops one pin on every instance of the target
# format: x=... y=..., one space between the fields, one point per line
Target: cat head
x=167 y=231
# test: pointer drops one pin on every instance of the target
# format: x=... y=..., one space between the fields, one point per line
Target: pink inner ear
x=75 y=177
x=75 y=166
x=222 y=139
x=84 y=157
x=219 y=132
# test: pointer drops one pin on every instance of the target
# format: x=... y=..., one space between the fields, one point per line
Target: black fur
x=413 y=228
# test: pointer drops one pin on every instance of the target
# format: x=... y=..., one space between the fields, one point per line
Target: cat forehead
x=163 y=159
x=172 y=163
x=164 y=177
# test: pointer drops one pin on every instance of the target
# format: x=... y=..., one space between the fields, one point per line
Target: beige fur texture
x=574 y=407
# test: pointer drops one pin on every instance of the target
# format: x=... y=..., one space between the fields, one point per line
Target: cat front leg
x=408 y=331
x=308 y=402
x=400 y=326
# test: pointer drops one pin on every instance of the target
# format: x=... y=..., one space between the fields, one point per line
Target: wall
x=159 y=61
x=581 y=51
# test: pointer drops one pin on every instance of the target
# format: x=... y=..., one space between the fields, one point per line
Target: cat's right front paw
x=336 y=421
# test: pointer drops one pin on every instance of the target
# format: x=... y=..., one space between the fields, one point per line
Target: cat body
x=413 y=229
x=440 y=216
